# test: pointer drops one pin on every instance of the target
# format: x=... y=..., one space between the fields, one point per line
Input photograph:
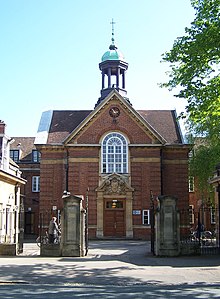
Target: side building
x=25 y=154
x=11 y=209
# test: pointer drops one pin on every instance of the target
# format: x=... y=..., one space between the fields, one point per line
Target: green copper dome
x=113 y=55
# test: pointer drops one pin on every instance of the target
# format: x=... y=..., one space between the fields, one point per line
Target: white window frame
x=35 y=184
x=35 y=156
x=191 y=184
x=146 y=214
x=15 y=155
x=114 y=153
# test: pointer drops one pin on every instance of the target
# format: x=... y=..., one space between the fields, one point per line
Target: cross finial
x=112 y=23
x=113 y=39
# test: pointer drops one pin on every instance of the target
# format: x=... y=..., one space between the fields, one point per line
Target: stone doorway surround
x=114 y=186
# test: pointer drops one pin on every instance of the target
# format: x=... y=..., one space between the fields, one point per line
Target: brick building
x=24 y=153
x=114 y=155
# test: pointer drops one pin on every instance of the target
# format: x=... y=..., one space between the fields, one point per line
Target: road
x=112 y=269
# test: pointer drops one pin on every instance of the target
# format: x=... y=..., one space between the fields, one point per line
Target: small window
x=14 y=155
x=35 y=156
x=191 y=184
x=191 y=214
x=114 y=204
x=35 y=184
x=146 y=217
x=212 y=216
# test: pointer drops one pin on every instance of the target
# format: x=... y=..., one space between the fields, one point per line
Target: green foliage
x=194 y=67
x=202 y=165
x=194 y=70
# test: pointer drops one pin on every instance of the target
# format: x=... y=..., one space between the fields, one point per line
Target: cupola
x=113 y=67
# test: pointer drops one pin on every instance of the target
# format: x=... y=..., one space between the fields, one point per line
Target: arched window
x=114 y=154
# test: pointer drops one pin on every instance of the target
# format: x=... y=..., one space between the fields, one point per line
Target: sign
x=136 y=212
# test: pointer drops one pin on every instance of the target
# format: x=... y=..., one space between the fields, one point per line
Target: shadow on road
x=139 y=253
x=112 y=269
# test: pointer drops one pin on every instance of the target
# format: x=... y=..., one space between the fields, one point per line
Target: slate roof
x=63 y=122
x=26 y=145
x=165 y=123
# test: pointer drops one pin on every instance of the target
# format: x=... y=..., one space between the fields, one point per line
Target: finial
x=112 y=46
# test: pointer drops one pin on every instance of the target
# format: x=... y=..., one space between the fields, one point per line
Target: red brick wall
x=84 y=167
x=175 y=175
x=104 y=124
x=53 y=180
x=145 y=177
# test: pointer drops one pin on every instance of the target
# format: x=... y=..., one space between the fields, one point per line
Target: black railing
x=200 y=234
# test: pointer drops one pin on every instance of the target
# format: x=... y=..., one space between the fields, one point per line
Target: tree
x=194 y=63
x=202 y=165
x=194 y=70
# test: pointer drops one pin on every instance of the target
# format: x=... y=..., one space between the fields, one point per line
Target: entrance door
x=29 y=223
x=114 y=218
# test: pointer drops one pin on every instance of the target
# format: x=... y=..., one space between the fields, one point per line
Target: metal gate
x=202 y=232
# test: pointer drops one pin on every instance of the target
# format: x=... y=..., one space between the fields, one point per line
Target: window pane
x=110 y=158
x=110 y=149
x=117 y=158
x=118 y=168
x=118 y=149
x=14 y=155
x=110 y=168
x=35 y=184
x=114 y=153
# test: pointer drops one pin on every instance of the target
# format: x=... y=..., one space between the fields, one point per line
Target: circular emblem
x=114 y=112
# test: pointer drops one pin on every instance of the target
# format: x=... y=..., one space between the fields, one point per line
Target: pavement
x=112 y=269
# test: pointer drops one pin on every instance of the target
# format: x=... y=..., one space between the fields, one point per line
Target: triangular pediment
x=114 y=98
x=114 y=184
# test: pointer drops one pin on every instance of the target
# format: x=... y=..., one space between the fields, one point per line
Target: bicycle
x=205 y=237
x=42 y=240
x=45 y=239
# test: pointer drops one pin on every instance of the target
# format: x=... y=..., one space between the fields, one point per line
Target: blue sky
x=50 y=51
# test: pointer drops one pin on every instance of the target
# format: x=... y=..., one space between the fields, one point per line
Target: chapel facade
x=116 y=157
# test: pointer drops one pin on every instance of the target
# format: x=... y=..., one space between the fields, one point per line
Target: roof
x=114 y=54
x=165 y=123
x=63 y=122
x=25 y=144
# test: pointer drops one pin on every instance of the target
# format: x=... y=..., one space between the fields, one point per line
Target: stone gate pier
x=72 y=230
x=72 y=226
x=167 y=227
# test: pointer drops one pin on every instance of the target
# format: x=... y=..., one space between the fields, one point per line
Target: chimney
x=2 y=127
